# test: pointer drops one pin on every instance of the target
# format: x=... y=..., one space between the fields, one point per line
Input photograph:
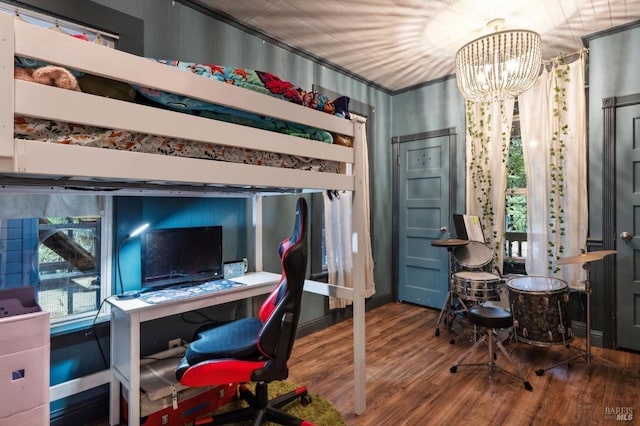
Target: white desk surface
x=257 y=283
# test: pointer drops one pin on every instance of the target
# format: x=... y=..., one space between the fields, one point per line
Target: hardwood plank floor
x=409 y=382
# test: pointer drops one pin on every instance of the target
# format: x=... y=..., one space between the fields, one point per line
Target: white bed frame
x=50 y=161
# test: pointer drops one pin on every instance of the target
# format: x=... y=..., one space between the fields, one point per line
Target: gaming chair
x=256 y=349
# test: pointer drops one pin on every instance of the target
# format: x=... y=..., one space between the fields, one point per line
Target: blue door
x=423 y=214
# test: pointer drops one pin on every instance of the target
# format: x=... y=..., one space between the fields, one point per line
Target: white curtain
x=338 y=216
x=488 y=140
x=16 y=205
x=553 y=128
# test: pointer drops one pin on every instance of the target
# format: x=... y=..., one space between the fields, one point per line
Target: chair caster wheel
x=539 y=372
x=437 y=332
x=528 y=386
x=454 y=369
x=305 y=400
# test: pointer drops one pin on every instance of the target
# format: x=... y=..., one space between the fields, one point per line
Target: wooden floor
x=409 y=382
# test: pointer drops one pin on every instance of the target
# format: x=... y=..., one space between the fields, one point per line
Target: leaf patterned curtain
x=488 y=139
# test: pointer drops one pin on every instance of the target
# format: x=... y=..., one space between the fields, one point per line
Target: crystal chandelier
x=498 y=66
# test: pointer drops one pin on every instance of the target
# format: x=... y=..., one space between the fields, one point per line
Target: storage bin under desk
x=24 y=369
x=159 y=387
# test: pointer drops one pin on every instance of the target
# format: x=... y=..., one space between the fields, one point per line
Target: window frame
x=128 y=28
x=30 y=233
x=511 y=237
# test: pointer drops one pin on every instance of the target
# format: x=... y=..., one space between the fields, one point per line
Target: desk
x=128 y=314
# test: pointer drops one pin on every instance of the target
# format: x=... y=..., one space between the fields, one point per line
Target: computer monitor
x=180 y=255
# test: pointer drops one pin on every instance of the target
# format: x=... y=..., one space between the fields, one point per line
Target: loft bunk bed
x=44 y=163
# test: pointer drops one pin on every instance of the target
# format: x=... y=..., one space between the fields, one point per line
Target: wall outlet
x=175 y=343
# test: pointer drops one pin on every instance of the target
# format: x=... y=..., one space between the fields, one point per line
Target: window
x=68 y=265
x=128 y=29
x=318 y=254
x=516 y=198
x=61 y=25
x=56 y=243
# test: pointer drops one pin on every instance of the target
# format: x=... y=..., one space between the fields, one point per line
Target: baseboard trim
x=580 y=330
x=81 y=384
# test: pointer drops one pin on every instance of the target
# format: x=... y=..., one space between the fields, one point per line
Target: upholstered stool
x=491 y=318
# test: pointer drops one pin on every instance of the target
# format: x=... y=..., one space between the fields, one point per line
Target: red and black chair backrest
x=281 y=311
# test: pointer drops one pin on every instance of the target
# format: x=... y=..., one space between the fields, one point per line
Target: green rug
x=320 y=412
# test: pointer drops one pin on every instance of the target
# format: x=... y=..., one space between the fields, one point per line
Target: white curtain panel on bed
x=553 y=127
x=338 y=217
x=488 y=139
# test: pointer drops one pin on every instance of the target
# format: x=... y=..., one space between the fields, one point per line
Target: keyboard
x=184 y=291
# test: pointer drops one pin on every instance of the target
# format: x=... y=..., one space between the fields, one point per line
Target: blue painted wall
x=434 y=107
x=167 y=212
x=613 y=71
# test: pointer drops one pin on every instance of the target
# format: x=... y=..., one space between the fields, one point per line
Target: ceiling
x=397 y=44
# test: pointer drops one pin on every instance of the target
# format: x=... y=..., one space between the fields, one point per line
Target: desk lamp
x=131 y=294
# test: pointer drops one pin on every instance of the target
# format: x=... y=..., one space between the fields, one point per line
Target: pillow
x=101 y=86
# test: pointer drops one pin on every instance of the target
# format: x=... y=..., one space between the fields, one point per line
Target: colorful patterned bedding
x=258 y=81
x=75 y=134
x=266 y=83
x=263 y=82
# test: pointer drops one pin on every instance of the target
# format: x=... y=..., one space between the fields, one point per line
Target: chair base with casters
x=491 y=318
x=261 y=409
